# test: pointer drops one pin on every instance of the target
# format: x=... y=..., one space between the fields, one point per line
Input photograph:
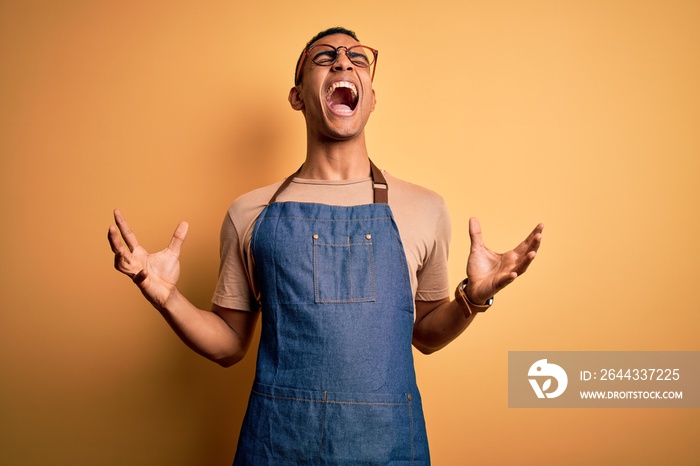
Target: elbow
x=425 y=349
x=226 y=362
x=429 y=343
x=229 y=359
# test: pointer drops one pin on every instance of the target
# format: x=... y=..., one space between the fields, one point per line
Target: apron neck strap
x=379 y=185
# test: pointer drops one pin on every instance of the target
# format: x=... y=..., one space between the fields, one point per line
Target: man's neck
x=339 y=160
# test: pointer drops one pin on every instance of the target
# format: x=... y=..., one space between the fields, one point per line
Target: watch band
x=469 y=307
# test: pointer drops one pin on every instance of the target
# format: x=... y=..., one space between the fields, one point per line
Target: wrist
x=166 y=304
x=470 y=294
x=468 y=306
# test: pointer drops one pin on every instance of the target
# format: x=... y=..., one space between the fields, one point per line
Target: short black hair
x=327 y=32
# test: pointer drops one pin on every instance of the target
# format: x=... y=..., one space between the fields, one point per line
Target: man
x=348 y=266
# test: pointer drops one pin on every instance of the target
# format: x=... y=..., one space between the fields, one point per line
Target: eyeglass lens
x=326 y=55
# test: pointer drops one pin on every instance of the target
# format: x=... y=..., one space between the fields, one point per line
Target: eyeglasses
x=326 y=55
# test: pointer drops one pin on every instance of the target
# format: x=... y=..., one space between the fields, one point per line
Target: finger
x=504 y=281
x=128 y=235
x=532 y=242
x=536 y=235
x=178 y=238
x=475 y=234
x=525 y=263
x=122 y=256
x=115 y=241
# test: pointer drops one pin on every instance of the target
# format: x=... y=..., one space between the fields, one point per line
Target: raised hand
x=155 y=274
x=488 y=271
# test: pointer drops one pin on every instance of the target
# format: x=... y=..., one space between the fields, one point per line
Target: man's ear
x=295 y=99
x=374 y=99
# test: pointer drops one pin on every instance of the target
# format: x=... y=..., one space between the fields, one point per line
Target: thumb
x=475 y=234
x=178 y=238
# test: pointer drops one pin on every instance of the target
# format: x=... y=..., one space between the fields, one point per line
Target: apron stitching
x=323 y=427
x=340 y=301
x=329 y=219
x=349 y=271
x=274 y=265
x=326 y=401
x=342 y=244
x=410 y=416
x=371 y=269
x=317 y=293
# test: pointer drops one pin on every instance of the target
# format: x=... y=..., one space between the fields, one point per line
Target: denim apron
x=335 y=381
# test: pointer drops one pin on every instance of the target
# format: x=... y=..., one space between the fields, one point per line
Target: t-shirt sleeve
x=234 y=288
x=433 y=276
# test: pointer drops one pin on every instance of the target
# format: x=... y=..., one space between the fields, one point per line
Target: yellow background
x=583 y=115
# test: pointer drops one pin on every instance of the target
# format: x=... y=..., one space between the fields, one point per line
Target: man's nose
x=343 y=62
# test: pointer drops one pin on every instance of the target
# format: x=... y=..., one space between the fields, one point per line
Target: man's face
x=336 y=100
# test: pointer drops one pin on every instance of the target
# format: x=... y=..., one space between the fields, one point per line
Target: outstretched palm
x=489 y=271
x=155 y=274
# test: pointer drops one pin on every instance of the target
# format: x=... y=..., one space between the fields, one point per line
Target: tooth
x=345 y=84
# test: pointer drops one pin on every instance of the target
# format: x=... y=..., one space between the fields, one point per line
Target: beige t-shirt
x=420 y=214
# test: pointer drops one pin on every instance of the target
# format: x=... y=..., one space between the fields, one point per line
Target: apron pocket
x=292 y=427
x=344 y=269
x=282 y=427
x=373 y=433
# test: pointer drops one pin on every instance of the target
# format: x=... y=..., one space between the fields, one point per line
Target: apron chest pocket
x=344 y=269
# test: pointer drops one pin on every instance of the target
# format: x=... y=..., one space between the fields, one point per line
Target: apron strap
x=284 y=184
x=379 y=185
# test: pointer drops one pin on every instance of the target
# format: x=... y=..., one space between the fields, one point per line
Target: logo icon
x=543 y=370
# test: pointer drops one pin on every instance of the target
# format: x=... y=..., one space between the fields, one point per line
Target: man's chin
x=343 y=134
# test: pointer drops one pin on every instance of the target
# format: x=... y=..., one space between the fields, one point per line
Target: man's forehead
x=336 y=39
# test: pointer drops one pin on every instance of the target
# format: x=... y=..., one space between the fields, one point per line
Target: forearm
x=438 y=323
x=205 y=332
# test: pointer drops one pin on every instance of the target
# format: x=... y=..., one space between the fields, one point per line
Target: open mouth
x=342 y=97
